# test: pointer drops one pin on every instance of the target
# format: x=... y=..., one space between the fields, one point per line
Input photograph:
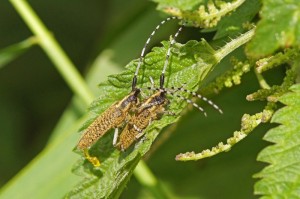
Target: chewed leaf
x=281 y=178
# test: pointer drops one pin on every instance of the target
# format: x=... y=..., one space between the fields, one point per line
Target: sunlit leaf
x=278 y=28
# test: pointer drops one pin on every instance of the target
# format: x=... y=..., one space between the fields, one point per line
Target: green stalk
x=148 y=180
x=51 y=47
x=144 y=175
x=261 y=80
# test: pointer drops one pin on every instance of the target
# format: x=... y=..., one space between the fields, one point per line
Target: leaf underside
x=281 y=179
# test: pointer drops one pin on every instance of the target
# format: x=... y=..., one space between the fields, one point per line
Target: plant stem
x=144 y=175
x=261 y=80
x=234 y=44
x=46 y=40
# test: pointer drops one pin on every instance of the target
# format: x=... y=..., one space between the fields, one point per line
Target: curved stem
x=261 y=80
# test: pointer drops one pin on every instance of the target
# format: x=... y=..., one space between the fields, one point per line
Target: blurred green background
x=33 y=96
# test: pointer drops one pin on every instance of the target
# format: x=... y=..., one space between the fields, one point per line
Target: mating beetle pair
x=135 y=115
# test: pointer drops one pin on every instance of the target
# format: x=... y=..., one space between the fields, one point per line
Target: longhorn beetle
x=113 y=117
x=146 y=112
x=154 y=106
x=116 y=114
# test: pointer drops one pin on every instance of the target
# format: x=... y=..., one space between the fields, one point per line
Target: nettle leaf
x=278 y=28
x=281 y=179
x=189 y=64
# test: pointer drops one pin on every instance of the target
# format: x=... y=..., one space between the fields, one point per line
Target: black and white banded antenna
x=161 y=89
x=172 y=91
x=194 y=94
x=162 y=76
x=134 y=80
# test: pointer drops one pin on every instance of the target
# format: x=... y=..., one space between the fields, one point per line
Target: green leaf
x=12 y=52
x=40 y=179
x=281 y=179
x=187 y=66
x=232 y=24
x=278 y=28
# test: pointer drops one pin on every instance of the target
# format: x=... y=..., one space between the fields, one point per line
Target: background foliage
x=40 y=118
